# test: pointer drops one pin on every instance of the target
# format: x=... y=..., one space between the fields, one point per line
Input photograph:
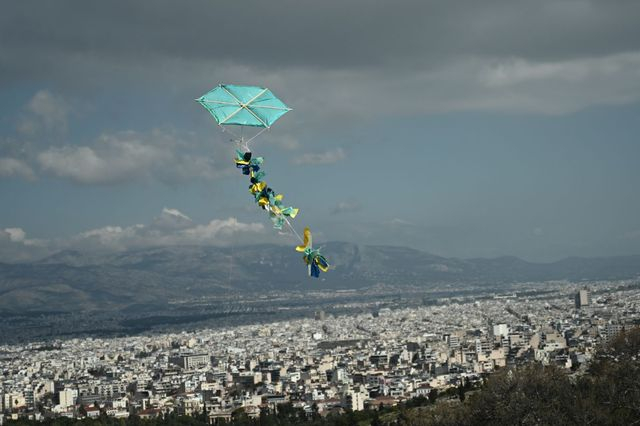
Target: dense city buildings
x=323 y=363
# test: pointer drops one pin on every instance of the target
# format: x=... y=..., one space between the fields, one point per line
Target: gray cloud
x=84 y=165
x=166 y=155
x=336 y=59
x=43 y=120
x=12 y=167
x=321 y=34
x=49 y=112
x=127 y=156
x=327 y=157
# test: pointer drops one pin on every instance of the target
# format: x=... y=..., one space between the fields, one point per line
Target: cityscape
x=319 y=213
x=323 y=363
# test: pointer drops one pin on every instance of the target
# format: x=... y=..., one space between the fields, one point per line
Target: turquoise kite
x=258 y=107
x=251 y=106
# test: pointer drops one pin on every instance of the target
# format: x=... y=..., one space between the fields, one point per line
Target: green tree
x=532 y=395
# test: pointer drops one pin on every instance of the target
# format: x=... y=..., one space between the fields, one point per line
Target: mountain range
x=71 y=280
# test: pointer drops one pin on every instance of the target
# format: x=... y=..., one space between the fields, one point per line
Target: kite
x=257 y=107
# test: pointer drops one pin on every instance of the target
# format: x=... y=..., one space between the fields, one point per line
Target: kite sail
x=258 y=108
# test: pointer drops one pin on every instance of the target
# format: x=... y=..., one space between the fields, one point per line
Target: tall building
x=453 y=341
x=612 y=330
x=483 y=346
x=354 y=399
x=501 y=330
x=29 y=397
x=582 y=299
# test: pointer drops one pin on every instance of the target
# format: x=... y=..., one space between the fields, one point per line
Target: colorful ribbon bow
x=264 y=195
x=278 y=213
x=246 y=163
x=315 y=261
x=269 y=200
x=257 y=187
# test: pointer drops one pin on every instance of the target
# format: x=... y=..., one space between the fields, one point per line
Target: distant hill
x=74 y=280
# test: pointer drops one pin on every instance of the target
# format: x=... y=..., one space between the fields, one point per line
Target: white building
x=68 y=397
x=501 y=330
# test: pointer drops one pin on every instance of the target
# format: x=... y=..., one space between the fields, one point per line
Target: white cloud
x=16 y=247
x=164 y=155
x=115 y=159
x=171 y=228
x=16 y=234
x=327 y=157
x=172 y=219
x=128 y=156
x=12 y=167
x=108 y=237
x=517 y=71
x=217 y=228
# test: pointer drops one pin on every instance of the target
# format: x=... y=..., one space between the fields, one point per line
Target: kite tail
x=271 y=201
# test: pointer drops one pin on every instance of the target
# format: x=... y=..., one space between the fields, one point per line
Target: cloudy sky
x=463 y=128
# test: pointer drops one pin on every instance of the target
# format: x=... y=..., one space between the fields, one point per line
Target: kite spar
x=236 y=107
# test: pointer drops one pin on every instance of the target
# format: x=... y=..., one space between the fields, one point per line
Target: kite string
x=242 y=144
x=225 y=130
x=286 y=220
x=230 y=263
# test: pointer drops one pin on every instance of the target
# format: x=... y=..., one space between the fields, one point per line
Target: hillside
x=75 y=280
